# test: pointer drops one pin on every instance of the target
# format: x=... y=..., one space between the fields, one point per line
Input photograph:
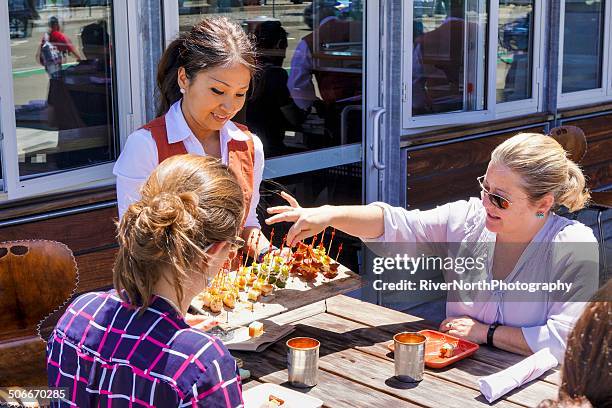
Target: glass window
x=583 y=41
x=308 y=93
x=515 y=50
x=62 y=67
x=449 y=56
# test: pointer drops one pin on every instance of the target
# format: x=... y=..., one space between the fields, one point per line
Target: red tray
x=435 y=340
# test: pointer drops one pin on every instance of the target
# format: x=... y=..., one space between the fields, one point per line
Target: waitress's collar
x=234 y=132
x=178 y=130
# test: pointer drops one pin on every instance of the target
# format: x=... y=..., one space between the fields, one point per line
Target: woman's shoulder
x=139 y=144
x=86 y=303
x=573 y=231
x=465 y=210
x=140 y=137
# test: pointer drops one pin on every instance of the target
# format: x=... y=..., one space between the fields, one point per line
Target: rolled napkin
x=499 y=384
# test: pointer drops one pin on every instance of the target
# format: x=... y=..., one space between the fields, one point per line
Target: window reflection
x=308 y=93
x=63 y=86
x=582 y=45
x=515 y=50
x=449 y=56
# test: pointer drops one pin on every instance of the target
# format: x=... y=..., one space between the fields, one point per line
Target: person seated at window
x=81 y=95
x=439 y=63
x=514 y=223
x=331 y=57
x=269 y=108
x=586 y=375
x=133 y=343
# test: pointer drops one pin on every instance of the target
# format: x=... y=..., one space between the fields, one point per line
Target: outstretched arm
x=358 y=220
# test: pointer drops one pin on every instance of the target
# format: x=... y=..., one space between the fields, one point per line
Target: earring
x=182 y=91
x=539 y=214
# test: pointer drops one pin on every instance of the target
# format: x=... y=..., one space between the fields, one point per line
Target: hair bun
x=167 y=209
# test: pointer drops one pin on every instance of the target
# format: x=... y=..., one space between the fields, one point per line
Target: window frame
x=595 y=95
x=124 y=25
x=408 y=120
x=533 y=104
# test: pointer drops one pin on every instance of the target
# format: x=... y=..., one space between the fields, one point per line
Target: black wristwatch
x=490 y=333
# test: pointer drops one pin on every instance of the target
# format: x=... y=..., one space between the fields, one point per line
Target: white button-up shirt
x=139 y=157
x=562 y=249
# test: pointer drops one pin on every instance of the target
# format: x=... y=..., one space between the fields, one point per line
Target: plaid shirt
x=107 y=355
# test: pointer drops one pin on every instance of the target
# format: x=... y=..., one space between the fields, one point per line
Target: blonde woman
x=133 y=343
x=528 y=177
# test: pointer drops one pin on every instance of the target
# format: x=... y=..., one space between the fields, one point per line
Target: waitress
x=203 y=78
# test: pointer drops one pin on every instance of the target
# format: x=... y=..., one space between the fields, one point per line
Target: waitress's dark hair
x=213 y=42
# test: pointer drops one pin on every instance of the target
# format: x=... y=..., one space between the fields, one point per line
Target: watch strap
x=490 y=334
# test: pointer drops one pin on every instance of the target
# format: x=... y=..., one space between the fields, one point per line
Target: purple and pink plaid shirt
x=107 y=355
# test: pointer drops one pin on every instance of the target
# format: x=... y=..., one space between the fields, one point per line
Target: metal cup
x=409 y=355
x=303 y=361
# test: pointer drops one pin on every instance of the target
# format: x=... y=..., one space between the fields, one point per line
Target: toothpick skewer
x=256 y=245
x=321 y=245
x=271 y=238
x=339 y=250
x=333 y=234
x=283 y=243
x=246 y=258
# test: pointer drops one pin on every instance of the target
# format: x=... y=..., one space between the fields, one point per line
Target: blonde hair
x=544 y=168
x=188 y=203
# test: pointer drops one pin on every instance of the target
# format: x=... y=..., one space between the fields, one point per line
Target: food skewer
x=331 y=240
x=271 y=238
x=314 y=240
x=339 y=250
x=246 y=258
x=322 y=238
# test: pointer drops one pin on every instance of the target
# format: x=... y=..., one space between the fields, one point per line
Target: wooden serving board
x=297 y=293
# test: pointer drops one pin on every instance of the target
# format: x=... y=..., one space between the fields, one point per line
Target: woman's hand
x=200 y=322
x=307 y=221
x=466 y=328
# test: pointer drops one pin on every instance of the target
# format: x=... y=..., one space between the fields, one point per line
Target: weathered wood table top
x=356 y=368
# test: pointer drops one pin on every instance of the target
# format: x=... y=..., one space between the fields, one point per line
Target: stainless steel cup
x=409 y=355
x=303 y=361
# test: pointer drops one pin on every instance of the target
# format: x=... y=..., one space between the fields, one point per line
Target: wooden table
x=356 y=369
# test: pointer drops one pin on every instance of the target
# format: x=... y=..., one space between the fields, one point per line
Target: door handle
x=376 y=138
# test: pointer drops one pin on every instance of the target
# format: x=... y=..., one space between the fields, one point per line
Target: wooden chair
x=574 y=141
x=36 y=278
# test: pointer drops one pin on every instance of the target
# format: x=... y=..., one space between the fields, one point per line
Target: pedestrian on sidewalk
x=54 y=48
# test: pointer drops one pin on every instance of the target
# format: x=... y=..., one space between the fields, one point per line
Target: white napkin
x=499 y=384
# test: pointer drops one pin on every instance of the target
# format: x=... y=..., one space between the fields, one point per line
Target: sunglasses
x=495 y=199
x=236 y=243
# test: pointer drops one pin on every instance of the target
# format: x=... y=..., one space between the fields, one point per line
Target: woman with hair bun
x=133 y=343
x=514 y=224
x=202 y=79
